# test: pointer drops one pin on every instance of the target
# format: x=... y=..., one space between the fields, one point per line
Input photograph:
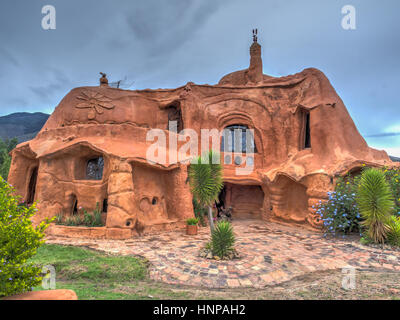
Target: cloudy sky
x=166 y=43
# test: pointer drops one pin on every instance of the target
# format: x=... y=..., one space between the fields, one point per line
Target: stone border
x=111 y=233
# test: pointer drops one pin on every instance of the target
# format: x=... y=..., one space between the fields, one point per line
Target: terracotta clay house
x=92 y=150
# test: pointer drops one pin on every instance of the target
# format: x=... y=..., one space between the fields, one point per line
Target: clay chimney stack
x=255 y=69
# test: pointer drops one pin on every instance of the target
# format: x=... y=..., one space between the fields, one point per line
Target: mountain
x=394 y=158
x=22 y=125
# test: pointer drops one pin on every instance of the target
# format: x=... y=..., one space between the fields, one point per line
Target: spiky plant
x=375 y=202
x=206 y=182
x=222 y=239
x=394 y=231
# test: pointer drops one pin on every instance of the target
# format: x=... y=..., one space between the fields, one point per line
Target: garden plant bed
x=111 y=233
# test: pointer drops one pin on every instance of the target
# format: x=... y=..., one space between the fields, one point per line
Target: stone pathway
x=271 y=253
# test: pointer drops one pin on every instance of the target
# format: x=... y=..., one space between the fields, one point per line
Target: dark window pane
x=243 y=141
x=94 y=169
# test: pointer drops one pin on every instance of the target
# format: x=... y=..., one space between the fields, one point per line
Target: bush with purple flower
x=340 y=213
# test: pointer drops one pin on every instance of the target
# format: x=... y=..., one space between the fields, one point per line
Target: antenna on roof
x=123 y=83
x=255 y=32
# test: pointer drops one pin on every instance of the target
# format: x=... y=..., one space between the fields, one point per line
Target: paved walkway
x=271 y=253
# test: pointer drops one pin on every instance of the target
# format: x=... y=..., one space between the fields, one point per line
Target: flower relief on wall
x=95 y=102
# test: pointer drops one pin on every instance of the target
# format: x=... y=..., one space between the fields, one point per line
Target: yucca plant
x=394 y=231
x=205 y=177
x=375 y=203
x=222 y=239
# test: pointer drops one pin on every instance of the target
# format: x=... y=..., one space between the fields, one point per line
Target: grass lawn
x=95 y=275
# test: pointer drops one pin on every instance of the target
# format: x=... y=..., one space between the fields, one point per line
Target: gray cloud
x=383 y=135
x=163 y=27
x=159 y=43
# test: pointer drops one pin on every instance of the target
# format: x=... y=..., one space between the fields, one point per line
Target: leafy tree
x=205 y=177
x=5 y=160
x=375 y=202
x=19 y=241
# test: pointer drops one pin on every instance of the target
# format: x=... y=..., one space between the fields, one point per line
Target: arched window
x=175 y=118
x=32 y=186
x=74 y=207
x=94 y=169
x=238 y=138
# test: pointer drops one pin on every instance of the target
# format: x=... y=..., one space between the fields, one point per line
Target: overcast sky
x=166 y=43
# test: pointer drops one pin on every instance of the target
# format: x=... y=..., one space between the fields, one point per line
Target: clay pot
x=191 y=230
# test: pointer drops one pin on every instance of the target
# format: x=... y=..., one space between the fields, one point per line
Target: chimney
x=255 y=72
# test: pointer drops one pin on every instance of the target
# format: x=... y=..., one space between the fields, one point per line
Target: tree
x=205 y=177
x=5 y=160
x=376 y=203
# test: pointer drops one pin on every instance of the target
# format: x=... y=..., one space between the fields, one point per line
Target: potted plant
x=191 y=226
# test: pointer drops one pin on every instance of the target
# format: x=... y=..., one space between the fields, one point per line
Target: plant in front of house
x=84 y=219
x=375 y=202
x=222 y=243
x=223 y=240
x=192 y=221
x=19 y=241
x=205 y=178
x=191 y=226
x=393 y=178
x=340 y=213
x=394 y=231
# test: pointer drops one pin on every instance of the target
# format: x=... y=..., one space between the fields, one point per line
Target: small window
x=105 y=205
x=32 y=186
x=94 y=169
x=74 y=205
x=175 y=118
x=242 y=142
x=306 y=130
x=154 y=201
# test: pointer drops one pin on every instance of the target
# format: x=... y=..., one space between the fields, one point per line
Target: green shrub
x=70 y=221
x=222 y=239
x=87 y=219
x=393 y=178
x=375 y=202
x=192 y=221
x=19 y=241
x=394 y=231
x=59 y=218
x=97 y=222
x=5 y=160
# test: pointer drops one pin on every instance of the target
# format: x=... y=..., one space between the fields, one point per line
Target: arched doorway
x=32 y=186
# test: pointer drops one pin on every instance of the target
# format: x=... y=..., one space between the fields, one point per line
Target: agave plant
x=222 y=239
x=205 y=178
x=375 y=202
